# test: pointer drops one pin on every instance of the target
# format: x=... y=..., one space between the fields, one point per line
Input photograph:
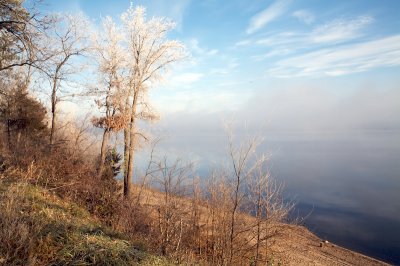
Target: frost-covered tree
x=110 y=58
x=150 y=54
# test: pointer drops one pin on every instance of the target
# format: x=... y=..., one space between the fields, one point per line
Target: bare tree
x=257 y=199
x=67 y=41
x=21 y=29
x=268 y=207
x=151 y=54
x=245 y=207
x=151 y=169
x=173 y=182
x=195 y=226
x=241 y=173
x=78 y=133
x=220 y=201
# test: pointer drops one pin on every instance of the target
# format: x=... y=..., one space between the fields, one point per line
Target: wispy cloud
x=341 y=60
x=186 y=78
x=304 y=16
x=242 y=43
x=177 y=11
x=282 y=38
x=174 y=10
x=279 y=52
x=194 y=46
x=341 y=29
x=213 y=52
x=269 y=14
x=229 y=67
x=335 y=31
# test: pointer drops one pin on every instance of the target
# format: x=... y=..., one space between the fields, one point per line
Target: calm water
x=349 y=184
x=346 y=183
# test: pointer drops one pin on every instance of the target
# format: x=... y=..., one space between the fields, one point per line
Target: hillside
x=39 y=228
x=295 y=244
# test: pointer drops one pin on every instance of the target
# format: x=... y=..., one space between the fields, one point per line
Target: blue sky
x=243 y=49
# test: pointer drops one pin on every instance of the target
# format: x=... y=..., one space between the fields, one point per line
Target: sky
x=240 y=49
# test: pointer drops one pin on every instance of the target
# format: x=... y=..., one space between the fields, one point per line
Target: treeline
x=230 y=218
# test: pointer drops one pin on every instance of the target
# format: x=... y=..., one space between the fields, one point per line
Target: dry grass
x=38 y=228
x=293 y=245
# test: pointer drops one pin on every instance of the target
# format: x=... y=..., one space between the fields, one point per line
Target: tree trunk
x=8 y=125
x=9 y=134
x=233 y=220
x=126 y=150
x=131 y=154
x=266 y=227
x=126 y=141
x=53 y=113
x=104 y=145
x=131 y=157
x=258 y=216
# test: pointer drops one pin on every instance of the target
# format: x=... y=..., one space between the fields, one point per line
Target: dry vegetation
x=38 y=228
x=180 y=218
x=53 y=216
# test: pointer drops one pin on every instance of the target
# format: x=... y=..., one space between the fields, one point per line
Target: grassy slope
x=65 y=234
x=59 y=232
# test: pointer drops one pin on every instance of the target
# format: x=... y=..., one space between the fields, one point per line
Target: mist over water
x=338 y=155
x=347 y=185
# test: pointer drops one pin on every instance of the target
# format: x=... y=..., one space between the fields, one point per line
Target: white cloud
x=242 y=43
x=177 y=10
x=213 y=52
x=174 y=10
x=229 y=67
x=304 y=16
x=336 y=31
x=267 y=15
x=342 y=60
x=233 y=64
x=282 y=38
x=278 y=52
x=194 y=47
x=340 y=29
x=186 y=78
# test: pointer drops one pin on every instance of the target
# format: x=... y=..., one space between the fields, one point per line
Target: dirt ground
x=301 y=247
x=296 y=245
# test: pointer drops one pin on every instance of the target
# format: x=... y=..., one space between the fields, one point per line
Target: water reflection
x=350 y=182
x=349 y=179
